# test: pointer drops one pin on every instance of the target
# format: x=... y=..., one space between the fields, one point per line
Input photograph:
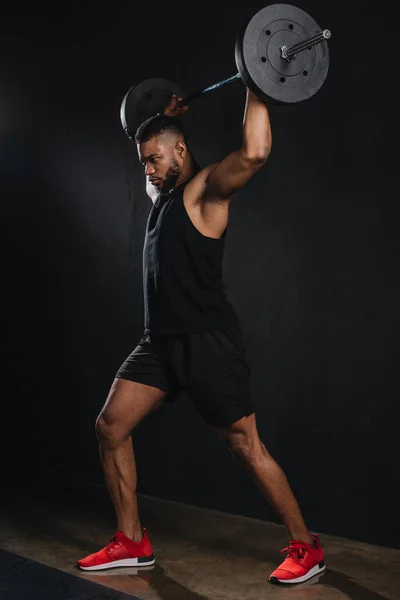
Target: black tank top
x=182 y=272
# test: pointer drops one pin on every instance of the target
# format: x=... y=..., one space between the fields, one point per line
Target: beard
x=171 y=177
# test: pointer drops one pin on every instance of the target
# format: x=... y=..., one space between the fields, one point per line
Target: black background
x=311 y=262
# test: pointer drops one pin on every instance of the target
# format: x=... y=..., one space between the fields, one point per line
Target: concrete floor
x=200 y=554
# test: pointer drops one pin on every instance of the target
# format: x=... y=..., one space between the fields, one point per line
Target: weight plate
x=148 y=98
x=259 y=61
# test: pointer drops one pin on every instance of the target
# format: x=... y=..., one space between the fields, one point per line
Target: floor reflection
x=138 y=580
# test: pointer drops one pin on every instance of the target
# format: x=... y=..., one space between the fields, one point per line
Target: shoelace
x=296 y=551
x=113 y=545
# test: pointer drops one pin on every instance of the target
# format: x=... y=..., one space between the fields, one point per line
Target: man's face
x=162 y=162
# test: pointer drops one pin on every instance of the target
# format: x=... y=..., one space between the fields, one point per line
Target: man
x=192 y=339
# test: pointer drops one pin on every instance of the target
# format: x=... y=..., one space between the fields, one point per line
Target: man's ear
x=181 y=149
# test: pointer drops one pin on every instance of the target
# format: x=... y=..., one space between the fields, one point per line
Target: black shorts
x=209 y=365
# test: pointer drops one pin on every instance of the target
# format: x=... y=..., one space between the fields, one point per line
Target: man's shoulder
x=197 y=186
x=204 y=173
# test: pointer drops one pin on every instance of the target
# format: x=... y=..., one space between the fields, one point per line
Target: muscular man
x=192 y=339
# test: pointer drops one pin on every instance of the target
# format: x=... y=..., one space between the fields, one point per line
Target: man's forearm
x=257 y=137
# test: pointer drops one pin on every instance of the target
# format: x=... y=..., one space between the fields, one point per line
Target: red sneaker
x=302 y=562
x=120 y=552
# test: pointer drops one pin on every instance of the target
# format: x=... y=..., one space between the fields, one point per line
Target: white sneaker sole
x=126 y=562
x=311 y=573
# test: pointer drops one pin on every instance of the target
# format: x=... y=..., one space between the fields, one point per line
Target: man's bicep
x=231 y=174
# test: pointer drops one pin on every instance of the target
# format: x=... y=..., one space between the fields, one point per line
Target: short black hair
x=158 y=125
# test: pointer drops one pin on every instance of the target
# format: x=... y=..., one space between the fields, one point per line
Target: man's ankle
x=136 y=536
x=305 y=538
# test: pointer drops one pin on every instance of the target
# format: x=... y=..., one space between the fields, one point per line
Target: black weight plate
x=148 y=98
x=259 y=61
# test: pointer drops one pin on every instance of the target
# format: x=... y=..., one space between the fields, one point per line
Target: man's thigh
x=218 y=376
x=128 y=402
x=139 y=387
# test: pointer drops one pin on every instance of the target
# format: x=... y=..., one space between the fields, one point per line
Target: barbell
x=281 y=55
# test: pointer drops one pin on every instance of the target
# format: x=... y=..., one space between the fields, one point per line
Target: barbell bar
x=281 y=55
x=287 y=53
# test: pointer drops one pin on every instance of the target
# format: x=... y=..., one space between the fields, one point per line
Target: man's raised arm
x=234 y=171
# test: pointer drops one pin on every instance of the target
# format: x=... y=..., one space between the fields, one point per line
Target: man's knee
x=241 y=437
x=109 y=435
x=245 y=447
x=245 y=450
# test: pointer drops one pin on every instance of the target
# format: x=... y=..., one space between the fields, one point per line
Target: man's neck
x=188 y=172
